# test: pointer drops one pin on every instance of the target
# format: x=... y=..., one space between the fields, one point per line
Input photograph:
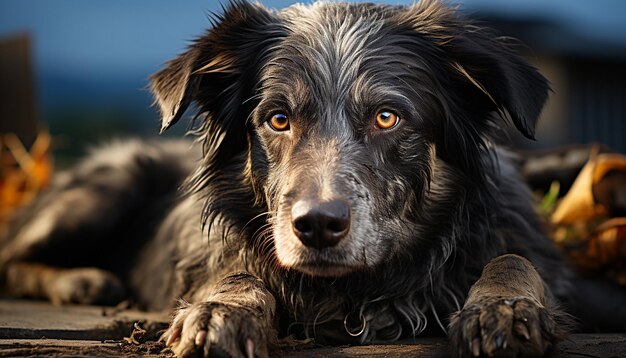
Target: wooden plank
x=421 y=347
x=579 y=345
x=79 y=348
x=34 y=320
x=28 y=328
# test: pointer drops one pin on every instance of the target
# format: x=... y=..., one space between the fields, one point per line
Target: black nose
x=320 y=224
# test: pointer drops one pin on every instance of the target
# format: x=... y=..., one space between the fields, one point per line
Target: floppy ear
x=504 y=79
x=476 y=74
x=218 y=69
x=492 y=75
x=174 y=87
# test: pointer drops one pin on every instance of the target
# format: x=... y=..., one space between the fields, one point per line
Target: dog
x=346 y=186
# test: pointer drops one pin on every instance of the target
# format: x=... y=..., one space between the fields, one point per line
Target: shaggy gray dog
x=347 y=189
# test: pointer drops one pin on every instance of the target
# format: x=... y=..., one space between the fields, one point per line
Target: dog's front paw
x=501 y=327
x=84 y=286
x=213 y=329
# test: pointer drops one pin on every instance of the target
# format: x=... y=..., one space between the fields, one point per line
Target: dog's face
x=335 y=116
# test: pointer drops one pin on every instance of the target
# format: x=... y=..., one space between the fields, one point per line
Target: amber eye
x=279 y=122
x=386 y=119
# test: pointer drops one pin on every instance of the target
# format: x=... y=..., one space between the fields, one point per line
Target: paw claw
x=500 y=342
x=200 y=338
x=213 y=329
x=495 y=327
x=522 y=330
x=172 y=337
x=249 y=348
x=475 y=346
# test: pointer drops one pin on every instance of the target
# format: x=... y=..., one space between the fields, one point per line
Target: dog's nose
x=320 y=224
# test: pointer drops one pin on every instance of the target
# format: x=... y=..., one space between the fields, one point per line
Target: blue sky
x=98 y=37
x=112 y=46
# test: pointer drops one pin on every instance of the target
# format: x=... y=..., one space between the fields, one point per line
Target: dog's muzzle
x=320 y=224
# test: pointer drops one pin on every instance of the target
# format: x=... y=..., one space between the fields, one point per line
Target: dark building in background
x=92 y=60
x=585 y=62
x=18 y=107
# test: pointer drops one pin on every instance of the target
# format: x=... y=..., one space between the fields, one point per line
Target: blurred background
x=74 y=73
x=89 y=61
x=78 y=69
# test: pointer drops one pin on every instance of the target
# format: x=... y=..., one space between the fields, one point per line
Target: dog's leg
x=98 y=214
x=509 y=312
x=234 y=319
x=80 y=285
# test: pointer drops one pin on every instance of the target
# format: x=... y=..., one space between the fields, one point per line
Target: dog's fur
x=432 y=201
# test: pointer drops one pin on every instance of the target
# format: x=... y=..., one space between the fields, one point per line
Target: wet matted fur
x=405 y=225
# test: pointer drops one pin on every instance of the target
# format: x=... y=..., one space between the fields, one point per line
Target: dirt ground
x=30 y=328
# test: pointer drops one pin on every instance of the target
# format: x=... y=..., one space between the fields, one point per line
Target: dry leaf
x=580 y=203
x=608 y=244
x=23 y=174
